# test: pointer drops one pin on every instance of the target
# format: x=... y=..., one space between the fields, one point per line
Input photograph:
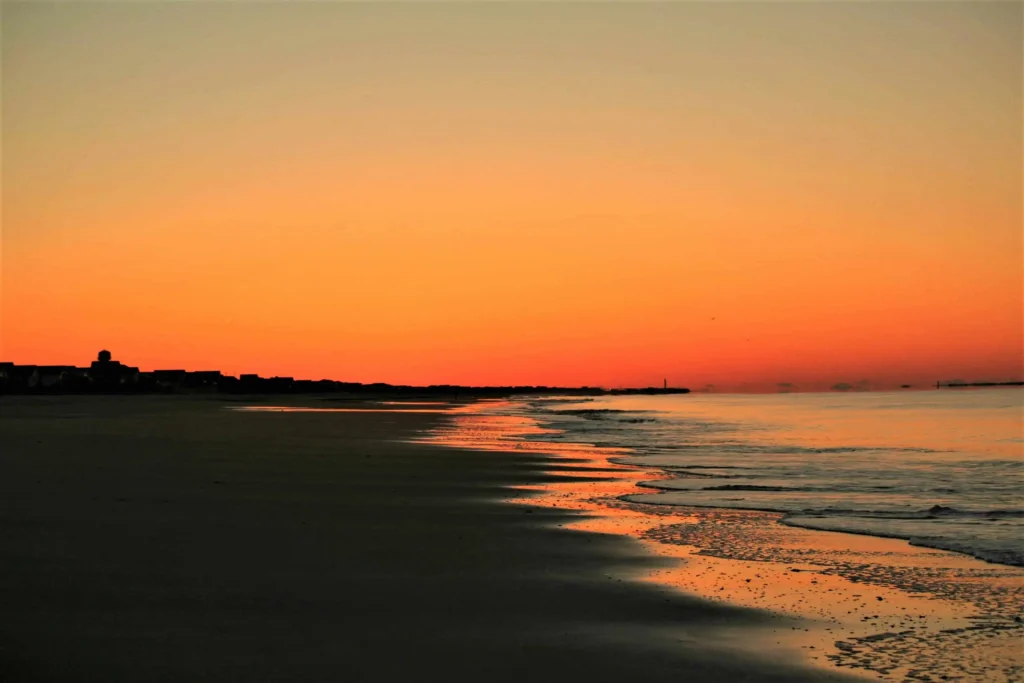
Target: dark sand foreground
x=172 y=539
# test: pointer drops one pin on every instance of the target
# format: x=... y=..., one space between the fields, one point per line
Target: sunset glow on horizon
x=736 y=194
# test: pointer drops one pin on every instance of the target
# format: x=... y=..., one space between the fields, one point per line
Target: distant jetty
x=957 y=385
x=108 y=376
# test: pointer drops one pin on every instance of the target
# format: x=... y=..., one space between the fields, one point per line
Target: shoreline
x=170 y=539
x=783 y=514
x=879 y=606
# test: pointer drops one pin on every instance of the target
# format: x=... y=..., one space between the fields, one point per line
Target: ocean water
x=943 y=469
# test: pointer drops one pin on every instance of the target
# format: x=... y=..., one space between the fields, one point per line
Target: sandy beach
x=173 y=538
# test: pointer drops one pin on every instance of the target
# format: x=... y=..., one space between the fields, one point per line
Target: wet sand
x=878 y=607
x=173 y=539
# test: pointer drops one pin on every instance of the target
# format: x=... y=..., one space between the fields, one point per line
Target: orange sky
x=569 y=193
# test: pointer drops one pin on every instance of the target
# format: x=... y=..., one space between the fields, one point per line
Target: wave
x=749 y=487
x=543 y=403
x=742 y=448
x=934 y=512
x=994 y=555
x=591 y=413
x=932 y=492
x=712 y=471
x=1002 y=548
x=915 y=526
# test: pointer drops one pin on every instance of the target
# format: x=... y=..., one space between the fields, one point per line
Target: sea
x=942 y=469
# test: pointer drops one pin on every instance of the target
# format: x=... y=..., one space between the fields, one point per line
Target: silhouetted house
x=254 y=384
x=59 y=376
x=42 y=378
x=22 y=378
x=250 y=383
x=280 y=384
x=168 y=380
x=228 y=384
x=203 y=379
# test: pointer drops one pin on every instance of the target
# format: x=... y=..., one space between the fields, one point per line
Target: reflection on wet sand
x=877 y=606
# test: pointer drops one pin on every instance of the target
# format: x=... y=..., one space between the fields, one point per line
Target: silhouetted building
x=249 y=383
x=62 y=377
x=111 y=374
x=20 y=378
x=168 y=380
x=280 y=384
x=203 y=379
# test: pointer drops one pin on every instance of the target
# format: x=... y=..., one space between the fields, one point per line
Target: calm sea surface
x=942 y=469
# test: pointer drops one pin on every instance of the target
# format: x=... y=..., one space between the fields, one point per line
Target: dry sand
x=172 y=539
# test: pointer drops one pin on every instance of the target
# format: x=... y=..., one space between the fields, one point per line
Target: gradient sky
x=563 y=193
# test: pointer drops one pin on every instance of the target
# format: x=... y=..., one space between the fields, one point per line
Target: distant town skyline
x=106 y=373
x=755 y=196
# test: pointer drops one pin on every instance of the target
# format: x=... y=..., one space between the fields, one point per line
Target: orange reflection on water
x=879 y=606
x=477 y=427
